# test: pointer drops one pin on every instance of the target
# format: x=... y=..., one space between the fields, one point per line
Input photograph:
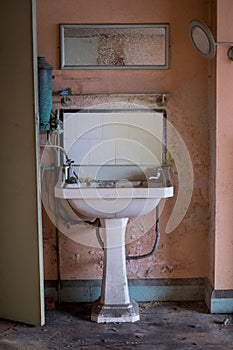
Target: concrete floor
x=163 y=326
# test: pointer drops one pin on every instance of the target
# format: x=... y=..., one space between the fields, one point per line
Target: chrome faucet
x=69 y=174
x=157 y=175
x=68 y=169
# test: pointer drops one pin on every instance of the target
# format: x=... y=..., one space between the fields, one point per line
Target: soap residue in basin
x=111 y=183
x=90 y=183
x=119 y=183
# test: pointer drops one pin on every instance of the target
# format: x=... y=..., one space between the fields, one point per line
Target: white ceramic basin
x=113 y=194
x=127 y=198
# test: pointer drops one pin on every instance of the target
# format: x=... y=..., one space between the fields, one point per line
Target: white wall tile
x=115 y=125
x=79 y=151
x=128 y=150
x=70 y=125
x=151 y=145
x=115 y=117
x=145 y=122
x=68 y=143
x=102 y=151
x=136 y=151
x=148 y=153
x=115 y=130
x=89 y=126
x=114 y=137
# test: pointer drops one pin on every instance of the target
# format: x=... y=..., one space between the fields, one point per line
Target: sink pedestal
x=115 y=304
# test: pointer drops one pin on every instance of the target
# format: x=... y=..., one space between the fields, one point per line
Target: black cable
x=99 y=239
x=155 y=246
x=143 y=256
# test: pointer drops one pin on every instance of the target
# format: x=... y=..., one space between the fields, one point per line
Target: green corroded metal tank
x=45 y=92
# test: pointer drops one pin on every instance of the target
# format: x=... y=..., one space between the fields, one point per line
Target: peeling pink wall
x=184 y=252
x=212 y=177
x=224 y=151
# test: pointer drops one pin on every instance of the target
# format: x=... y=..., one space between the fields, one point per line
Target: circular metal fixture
x=230 y=53
x=202 y=39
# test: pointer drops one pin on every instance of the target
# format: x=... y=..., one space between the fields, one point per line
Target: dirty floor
x=163 y=326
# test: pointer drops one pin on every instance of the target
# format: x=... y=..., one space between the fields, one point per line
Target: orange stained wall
x=182 y=253
x=223 y=278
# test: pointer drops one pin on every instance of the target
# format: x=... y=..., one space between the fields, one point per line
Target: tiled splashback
x=114 y=136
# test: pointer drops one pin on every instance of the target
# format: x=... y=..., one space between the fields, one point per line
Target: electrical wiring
x=143 y=256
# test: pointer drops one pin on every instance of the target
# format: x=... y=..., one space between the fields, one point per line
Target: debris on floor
x=162 y=326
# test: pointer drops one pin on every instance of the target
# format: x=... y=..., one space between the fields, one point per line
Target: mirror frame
x=63 y=64
x=195 y=24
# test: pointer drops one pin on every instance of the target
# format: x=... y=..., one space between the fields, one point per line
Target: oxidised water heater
x=45 y=93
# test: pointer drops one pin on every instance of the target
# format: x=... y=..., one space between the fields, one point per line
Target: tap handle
x=69 y=162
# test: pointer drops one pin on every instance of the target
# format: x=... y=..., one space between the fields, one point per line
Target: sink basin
x=108 y=202
x=116 y=198
x=113 y=194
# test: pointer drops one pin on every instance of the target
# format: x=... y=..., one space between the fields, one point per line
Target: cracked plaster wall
x=184 y=252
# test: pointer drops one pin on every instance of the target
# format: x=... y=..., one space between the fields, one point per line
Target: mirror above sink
x=115 y=46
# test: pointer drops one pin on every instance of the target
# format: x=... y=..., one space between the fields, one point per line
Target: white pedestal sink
x=114 y=202
x=115 y=304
